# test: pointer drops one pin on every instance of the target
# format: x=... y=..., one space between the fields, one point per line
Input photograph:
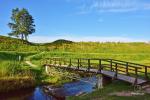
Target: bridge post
x=100 y=65
x=127 y=68
x=116 y=69
x=136 y=76
x=89 y=65
x=146 y=76
x=111 y=64
x=78 y=64
x=70 y=63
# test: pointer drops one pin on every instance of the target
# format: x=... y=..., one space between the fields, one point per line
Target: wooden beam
x=89 y=65
x=100 y=65
x=116 y=70
x=78 y=64
x=127 y=68
x=111 y=64
x=146 y=75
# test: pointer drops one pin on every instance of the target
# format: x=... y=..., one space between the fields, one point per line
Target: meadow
x=14 y=69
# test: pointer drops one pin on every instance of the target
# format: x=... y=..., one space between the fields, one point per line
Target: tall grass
x=143 y=58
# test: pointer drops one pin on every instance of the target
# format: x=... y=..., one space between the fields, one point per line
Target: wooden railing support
x=116 y=70
x=136 y=75
x=78 y=64
x=70 y=63
x=100 y=65
x=89 y=65
x=127 y=68
x=111 y=64
x=146 y=76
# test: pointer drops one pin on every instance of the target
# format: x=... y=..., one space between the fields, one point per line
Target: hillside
x=9 y=40
x=13 y=44
x=59 y=42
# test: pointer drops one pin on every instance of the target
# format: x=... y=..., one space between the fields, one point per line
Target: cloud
x=45 y=39
x=88 y=6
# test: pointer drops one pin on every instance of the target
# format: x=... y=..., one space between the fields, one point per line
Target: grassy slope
x=136 y=52
x=13 y=44
x=13 y=73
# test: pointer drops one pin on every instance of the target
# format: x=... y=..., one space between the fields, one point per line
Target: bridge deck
x=108 y=73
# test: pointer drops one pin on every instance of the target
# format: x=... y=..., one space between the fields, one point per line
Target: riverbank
x=8 y=84
x=117 y=90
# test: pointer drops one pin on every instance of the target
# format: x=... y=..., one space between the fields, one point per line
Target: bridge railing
x=117 y=66
x=131 y=67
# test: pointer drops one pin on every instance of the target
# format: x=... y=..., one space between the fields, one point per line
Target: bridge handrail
x=107 y=60
x=113 y=64
x=130 y=63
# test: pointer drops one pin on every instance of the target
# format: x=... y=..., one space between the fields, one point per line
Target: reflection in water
x=51 y=93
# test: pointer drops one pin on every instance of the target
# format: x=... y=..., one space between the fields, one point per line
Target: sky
x=83 y=20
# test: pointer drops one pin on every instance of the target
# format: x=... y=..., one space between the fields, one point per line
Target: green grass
x=10 y=67
x=104 y=94
x=13 y=73
x=142 y=58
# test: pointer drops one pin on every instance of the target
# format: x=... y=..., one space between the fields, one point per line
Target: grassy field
x=11 y=69
x=16 y=74
x=13 y=73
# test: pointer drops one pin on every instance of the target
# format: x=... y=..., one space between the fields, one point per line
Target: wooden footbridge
x=136 y=74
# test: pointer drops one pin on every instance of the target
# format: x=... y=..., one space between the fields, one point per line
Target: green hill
x=13 y=44
x=59 y=42
x=9 y=40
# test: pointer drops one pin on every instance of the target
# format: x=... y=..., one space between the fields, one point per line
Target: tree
x=22 y=24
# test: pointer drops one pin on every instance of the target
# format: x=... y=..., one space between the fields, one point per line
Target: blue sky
x=83 y=20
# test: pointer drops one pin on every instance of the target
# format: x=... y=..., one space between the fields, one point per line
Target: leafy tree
x=22 y=24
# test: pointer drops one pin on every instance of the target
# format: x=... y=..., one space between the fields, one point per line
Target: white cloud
x=45 y=39
x=87 y=6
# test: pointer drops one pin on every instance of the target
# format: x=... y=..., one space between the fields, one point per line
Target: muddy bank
x=15 y=83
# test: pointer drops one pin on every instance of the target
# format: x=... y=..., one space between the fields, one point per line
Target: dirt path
x=30 y=64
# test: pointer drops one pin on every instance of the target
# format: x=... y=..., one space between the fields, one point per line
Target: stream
x=47 y=92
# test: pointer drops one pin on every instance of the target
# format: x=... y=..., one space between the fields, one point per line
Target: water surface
x=86 y=85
